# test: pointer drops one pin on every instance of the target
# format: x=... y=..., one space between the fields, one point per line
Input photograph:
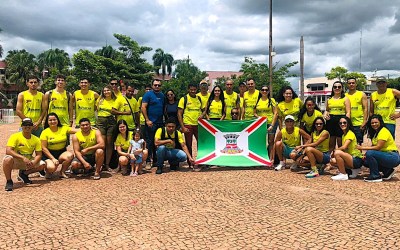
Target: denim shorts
x=357 y=162
x=326 y=158
x=273 y=131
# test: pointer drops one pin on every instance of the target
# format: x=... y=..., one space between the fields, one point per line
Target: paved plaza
x=219 y=208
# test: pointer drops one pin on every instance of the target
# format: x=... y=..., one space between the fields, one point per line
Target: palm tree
x=20 y=64
x=54 y=58
x=163 y=61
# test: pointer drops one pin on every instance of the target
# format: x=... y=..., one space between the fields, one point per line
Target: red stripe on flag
x=207 y=158
x=255 y=124
x=259 y=159
x=208 y=126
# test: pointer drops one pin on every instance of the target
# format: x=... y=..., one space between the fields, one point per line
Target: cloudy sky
x=216 y=34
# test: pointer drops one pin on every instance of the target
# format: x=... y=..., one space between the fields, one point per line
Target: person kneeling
x=19 y=150
x=88 y=148
x=170 y=146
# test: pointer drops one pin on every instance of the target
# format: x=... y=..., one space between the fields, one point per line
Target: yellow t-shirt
x=24 y=146
x=158 y=136
x=250 y=101
x=264 y=109
x=124 y=144
x=85 y=106
x=385 y=135
x=32 y=106
x=292 y=140
x=192 y=111
x=56 y=140
x=336 y=106
x=384 y=105
x=127 y=105
x=290 y=108
x=324 y=146
x=351 y=149
x=357 y=114
x=231 y=101
x=308 y=120
x=215 y=109
x=86 y=141
x=104 y=107
x=59 y=105
x=204 y=99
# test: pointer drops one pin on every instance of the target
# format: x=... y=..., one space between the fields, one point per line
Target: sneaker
x=389 y=174
x=280 y=167
x=295 y=168
x=159 y=170
x=42 y=173
x=312 y=174
x=9 y=186
x=174 y=167
x=148 y=166
x=133 y=174
x=355 y=172
x=340 y=177
x=373 y=179
x=23 y=177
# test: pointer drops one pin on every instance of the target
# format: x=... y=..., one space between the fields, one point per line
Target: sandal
x=96 y=176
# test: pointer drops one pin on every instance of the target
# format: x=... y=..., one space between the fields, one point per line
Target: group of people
x=158 y=128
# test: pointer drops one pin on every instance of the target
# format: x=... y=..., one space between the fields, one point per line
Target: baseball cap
x=242 y=83
x=203 y=82
x=289 y=117
x=380 y=79
x=27 y=122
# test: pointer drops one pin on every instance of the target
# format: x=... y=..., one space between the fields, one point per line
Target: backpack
x=49 y=99
x=177 y=144
x=185 y=99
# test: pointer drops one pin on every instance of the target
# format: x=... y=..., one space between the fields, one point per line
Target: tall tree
x=109 y=52
x=337 y=72
x=20 y=64
x=54 y=59
x=342 y=74
x=163 y=61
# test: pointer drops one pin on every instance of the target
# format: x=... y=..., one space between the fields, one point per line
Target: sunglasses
x=235 y=113
x=113 y=83
x=351 y=83
x=170 y=95
x=264 y=90
x=319 y=124
x=337 y=87
x=342 y=123
x=157 y=85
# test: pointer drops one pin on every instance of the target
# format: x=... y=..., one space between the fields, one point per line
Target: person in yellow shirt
x=171 y=147
x=359 y=108
x=308 y=113
x=337 y=106
x=288 y=104
x=84 y=101
x=88 y=145
x=23 y=152
x=250 y=98
x=55 y=139
x=30 y=104
x=215 y=108
x=383 y=102
x=189 y=114
x=286 y=141
x=316 y=149
x=347 y=157
x=232 y=99
x=204 y=94
x=59 y=101
x=383 y=155
x=130 y=105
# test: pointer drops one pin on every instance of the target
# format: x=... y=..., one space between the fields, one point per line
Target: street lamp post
x=270 y=47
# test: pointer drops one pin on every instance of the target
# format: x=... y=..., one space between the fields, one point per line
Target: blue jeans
x=392 y=129
x=359 y=134
x=173 y=156
x=378 y=161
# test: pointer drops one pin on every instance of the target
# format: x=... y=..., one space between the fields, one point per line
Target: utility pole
x=301 y=68
x=270 y=47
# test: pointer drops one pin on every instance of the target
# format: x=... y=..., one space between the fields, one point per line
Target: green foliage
x=342 y=75
x=20 y=64
x=54 y=59
x=394 y=83
x=260 y=73
x=1 y=47
x=163 y=61
x=185 y=72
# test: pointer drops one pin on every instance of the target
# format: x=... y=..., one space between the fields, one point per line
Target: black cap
x=381 y=79
x=27 y=122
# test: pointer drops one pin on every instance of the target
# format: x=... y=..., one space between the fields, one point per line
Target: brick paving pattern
x=216 y=209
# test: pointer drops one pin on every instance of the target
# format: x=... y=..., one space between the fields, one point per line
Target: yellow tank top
x=384 y=105
x=230 y=103
x=32 y=106
x=336 y=106
x=357 y=114
x=85 y=106
x=292 y=140
x=86 y=141
x=250 y=101
x=324 y=146
x=59 y=105
x=215 y=109
x=264 y=109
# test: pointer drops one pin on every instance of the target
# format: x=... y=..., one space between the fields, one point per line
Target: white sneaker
x=280 y=167
x=295 y=168
x=340 y=177
x=355 y=172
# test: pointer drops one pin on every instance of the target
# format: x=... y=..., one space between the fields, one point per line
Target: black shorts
x=106 y=124
x=332 y=125
x=89 y=158
x=55 y=153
